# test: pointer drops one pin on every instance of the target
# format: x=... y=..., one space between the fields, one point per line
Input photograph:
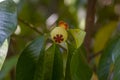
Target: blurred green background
x=46 y=13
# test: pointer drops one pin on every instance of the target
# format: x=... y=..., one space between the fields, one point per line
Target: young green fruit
x=59 y=35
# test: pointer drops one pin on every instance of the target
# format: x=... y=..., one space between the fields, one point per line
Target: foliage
x=25 y=34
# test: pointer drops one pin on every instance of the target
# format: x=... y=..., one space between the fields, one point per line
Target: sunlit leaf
x=3 y=52
x=78 y=35
x=103 y=35
x=8 y=19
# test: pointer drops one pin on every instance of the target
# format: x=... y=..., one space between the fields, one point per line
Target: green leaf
x=50 y=65
x=39 y=71
x=109 y=59
x=78 y=35
x=44 y=67
x=8 y=19
x=71 y=50
x=79 y=67
x=106 y=60
x=117 y=69
x=49 y=61
x=103 y=36
x=28 y=59
x=58 y=65
x=8 y=65
x=3 y=52
x=116 y=60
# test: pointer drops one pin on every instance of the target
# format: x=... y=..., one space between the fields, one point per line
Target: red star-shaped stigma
x=58 y=38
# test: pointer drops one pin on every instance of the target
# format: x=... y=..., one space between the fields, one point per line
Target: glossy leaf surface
x=8 y=19
x=28 y=59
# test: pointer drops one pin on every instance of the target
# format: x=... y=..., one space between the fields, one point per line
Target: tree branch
x=89 y=25
x=29 y=25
